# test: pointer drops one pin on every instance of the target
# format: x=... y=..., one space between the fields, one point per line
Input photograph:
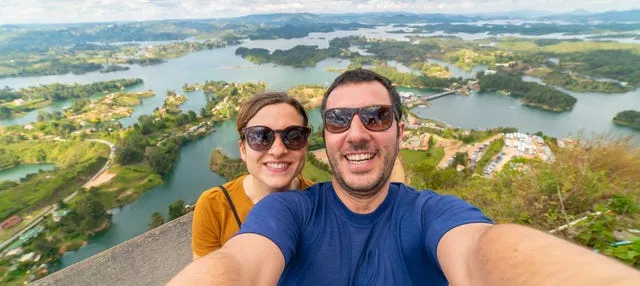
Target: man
x=360 y=229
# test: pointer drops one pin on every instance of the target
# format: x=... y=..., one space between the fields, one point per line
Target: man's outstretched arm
x=482 y=254
x=246 y=259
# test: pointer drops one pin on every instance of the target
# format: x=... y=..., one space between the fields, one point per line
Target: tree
x=156 y=220
x=182 y=119
x=431 y=142
x=131 y=149
x=159 y=161
x=5 y=112
x=43 y=116
x=204 y=112
x=192 y=116
x=176 y=209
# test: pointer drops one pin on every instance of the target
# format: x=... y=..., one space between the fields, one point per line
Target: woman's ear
x=243 y=150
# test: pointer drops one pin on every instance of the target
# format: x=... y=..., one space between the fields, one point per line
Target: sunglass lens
x=337 y=120
x=376 y=118
x=295 y=137
x=260 y=138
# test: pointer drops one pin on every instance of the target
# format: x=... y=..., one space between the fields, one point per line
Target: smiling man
x=361 y=229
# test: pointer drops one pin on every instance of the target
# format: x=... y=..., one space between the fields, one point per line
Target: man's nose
x=357 y=132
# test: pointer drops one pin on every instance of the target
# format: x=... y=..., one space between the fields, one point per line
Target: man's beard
x=370 y=190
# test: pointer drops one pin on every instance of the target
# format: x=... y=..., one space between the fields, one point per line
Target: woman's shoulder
x=215 y=193
x=304 y=183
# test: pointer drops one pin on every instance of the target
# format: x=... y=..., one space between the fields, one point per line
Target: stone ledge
x=151 y=258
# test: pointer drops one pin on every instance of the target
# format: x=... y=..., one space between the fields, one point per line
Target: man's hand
x=246 y=259
x=481 y=254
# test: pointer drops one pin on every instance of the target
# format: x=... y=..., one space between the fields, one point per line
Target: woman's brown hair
x=250 y=108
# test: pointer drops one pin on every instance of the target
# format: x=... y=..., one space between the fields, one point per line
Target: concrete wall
x=151 y=258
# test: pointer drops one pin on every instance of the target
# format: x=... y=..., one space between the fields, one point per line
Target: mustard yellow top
x=213 y=220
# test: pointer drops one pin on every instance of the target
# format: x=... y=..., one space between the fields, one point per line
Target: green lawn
x=315 y=174
x=409 y=157
x=129 y=183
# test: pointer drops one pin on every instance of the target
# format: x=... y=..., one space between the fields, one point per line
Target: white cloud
x=56 y=11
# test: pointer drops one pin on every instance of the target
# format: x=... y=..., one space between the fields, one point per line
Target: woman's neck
x=256 y=189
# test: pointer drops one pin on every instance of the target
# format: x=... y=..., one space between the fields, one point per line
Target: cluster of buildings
x=19 y=255
x=529 y=146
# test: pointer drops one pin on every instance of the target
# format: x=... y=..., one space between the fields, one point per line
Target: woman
x=273 y=144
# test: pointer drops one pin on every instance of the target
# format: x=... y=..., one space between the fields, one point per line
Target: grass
x=409 y=158
x=492 y=150
x=315 y=174
x=47 y=188
x=129 y=183
x=61 y=153
x=77 y=161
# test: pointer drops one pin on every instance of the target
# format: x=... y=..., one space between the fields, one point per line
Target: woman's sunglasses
x=374 y=118
x=260 y=138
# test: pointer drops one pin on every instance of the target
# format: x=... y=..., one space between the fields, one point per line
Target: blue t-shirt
x=324 y=243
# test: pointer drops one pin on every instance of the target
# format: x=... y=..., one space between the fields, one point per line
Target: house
x=10 y=222
x=59 y=214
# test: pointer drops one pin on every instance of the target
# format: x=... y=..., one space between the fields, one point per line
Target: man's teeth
x=359 y=158
x=277 y=165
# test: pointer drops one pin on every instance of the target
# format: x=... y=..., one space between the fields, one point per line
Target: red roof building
x=10 y=222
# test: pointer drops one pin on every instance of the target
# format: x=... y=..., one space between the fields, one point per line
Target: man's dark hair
x=364 y=75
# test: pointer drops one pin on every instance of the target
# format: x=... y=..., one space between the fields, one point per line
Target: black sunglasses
x=260 y=138
x=373 y=117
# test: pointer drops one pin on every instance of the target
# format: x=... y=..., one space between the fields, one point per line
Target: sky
x=69 y=11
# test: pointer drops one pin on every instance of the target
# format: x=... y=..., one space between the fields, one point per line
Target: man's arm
x=483 y=254
x=246 y=259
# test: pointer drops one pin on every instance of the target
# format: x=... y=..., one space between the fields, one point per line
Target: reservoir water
x=18 y=172
x=191 y=175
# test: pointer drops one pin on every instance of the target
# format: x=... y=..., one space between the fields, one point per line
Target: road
x=51 y=209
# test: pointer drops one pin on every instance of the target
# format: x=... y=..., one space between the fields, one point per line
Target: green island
x=532 y=94
x=113 y=106
x=577 y=83
x=17 y=102
x=630 y=118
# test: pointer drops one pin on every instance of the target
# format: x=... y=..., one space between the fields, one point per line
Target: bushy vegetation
x=225 y=166
x=412 y=80
x=42 y=189
x=629 y=118
x=532 y=94
x=298 y=56
x=598 y=174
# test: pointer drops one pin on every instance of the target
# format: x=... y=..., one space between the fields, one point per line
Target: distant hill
x=610 y=16
x=514 y=14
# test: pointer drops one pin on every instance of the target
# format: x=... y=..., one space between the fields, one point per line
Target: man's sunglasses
x=260 y=138
x=374 y=118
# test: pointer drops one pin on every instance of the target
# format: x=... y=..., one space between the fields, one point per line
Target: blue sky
x=57 y=11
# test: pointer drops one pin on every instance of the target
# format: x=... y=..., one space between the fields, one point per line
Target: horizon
x=40 y=12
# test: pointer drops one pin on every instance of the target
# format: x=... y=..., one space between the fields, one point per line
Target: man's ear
x=243 y=150
x=400 y=130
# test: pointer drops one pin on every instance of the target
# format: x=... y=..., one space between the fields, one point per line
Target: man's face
x=362 y=160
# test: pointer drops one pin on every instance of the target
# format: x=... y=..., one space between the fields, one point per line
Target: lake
x=191 y=175
x=18 y=172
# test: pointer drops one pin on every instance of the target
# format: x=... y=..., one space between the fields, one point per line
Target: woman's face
x=278 y=166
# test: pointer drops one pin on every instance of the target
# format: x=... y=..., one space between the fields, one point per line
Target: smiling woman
x=273 y=144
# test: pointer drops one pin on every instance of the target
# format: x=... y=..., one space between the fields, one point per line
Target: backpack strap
x=233 y=208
